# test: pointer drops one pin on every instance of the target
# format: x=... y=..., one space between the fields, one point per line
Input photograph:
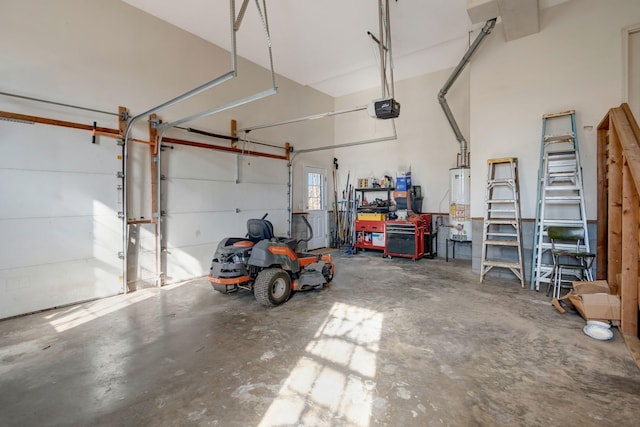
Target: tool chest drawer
x=370 y=226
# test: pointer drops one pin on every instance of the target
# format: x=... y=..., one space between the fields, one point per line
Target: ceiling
x=324 y=44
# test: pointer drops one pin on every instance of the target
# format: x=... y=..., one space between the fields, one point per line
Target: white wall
x=575 y=62
x=103 y=54
x=425 y=143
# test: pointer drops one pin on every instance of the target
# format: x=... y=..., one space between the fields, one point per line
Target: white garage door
x=204 y=203
x=60 y=232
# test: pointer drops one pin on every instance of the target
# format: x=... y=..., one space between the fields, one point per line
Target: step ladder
x=560 y=191
x=502 y=237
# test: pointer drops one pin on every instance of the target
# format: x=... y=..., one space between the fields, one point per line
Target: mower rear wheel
x=272 y=287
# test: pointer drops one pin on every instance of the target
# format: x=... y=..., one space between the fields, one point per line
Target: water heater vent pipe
x=463 y=160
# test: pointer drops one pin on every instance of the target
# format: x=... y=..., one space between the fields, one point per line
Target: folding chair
x=568 y=258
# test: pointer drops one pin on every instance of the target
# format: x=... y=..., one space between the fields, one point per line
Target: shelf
x=376 y=209
x=370 y=189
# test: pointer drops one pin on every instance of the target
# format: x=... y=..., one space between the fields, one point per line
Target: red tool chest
x=409 y=239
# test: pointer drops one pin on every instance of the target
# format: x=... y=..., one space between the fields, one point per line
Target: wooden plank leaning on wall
x=619 y=215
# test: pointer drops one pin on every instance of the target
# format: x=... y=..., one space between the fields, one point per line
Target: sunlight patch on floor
x=83 y=313
x=93 y=310
x=333 y=383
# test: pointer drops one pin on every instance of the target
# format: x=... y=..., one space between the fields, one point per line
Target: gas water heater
x=459 y=204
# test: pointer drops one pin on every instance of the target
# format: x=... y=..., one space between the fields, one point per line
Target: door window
x=315 y=191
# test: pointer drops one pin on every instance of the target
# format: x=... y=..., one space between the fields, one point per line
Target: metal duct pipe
x=464 y=150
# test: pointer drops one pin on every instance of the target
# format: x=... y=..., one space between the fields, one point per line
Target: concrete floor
x=389 y=343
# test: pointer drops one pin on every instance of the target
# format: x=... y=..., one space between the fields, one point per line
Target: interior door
x=315 y=205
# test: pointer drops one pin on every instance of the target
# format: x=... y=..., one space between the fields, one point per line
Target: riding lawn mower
x=268 y=266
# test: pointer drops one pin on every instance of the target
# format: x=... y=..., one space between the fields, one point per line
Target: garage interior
x=139 y=135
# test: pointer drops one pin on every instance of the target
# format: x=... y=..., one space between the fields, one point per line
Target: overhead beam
x=482 y=10
x=520 y=18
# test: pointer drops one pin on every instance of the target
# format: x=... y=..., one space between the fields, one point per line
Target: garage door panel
x=188 y=261
x=265 y=197
x=202 y=228
x=42 y=193
x=189 y=163
x=39 y=241
x=204 y=203
x=193 y=163
x=40 y=147
x=29 y=289
x=264 y=170
x=58 y=218
x=191 y=195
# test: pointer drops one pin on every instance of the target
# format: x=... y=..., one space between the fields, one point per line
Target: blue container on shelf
x=403 y=182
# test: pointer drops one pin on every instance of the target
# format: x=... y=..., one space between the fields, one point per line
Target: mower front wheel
x=327 y=272
x=272 y=287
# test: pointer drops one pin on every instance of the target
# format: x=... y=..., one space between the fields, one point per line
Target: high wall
x=425 y=144
x=59 y=212
x=575 y=63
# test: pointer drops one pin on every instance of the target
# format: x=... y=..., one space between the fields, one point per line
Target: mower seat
x=259 y=229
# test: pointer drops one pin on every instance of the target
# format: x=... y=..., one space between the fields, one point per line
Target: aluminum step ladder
x=502 y=237
x=560 y=191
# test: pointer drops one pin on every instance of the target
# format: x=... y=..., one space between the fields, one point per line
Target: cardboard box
x=377 y=239
x=594 y=301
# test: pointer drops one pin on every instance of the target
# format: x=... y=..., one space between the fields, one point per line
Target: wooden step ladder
x=502 y=235
x=560 y=191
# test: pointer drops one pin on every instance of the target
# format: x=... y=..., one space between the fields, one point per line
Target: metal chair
x=568 y=256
